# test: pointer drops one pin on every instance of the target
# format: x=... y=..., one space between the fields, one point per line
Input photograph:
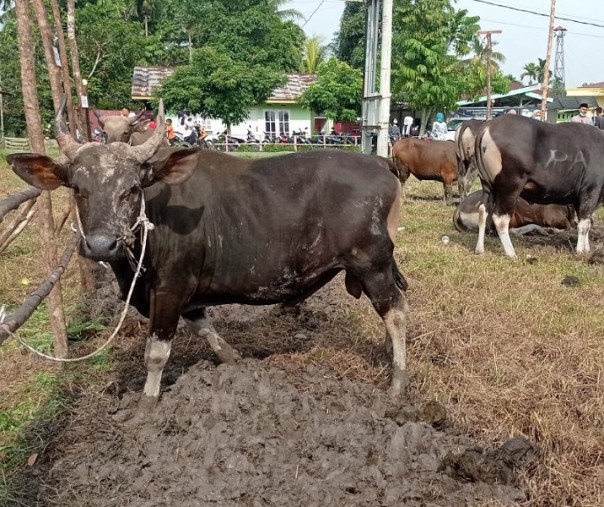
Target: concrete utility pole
x=488 y=33
x=548 y=56
x=376 y=105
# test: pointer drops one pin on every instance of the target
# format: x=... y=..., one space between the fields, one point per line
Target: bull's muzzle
x=102 y=247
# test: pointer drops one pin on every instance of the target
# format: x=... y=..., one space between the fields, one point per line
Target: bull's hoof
x=228 y=355
x=479 y=251
x=400 y=382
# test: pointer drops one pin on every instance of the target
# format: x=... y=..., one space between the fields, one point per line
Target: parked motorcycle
x=269 y=138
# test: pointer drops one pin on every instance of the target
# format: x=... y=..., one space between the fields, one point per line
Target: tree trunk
x=75 y=65
x=56 y=14
x=36 y=138
x=86 y=266
x=46 y=36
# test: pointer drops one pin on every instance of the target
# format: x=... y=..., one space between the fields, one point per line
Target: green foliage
x=428 y=38
x=349 y=43
x=337 y=92
x=10 y=73
x=109 y=49
x=219 y=86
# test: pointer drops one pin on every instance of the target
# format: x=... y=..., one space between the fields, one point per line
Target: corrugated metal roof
x=146 y=79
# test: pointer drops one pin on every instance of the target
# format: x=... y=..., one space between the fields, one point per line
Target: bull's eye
x=134 y=190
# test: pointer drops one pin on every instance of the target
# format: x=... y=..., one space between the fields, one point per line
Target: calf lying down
x=527 y=217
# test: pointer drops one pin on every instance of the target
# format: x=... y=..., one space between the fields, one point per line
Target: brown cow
x=526 y=217
x=426 y=160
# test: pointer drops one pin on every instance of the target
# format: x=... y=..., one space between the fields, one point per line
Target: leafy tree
x=254 y=30
x=337 y=91
x=219 y=86
x=109 y=49
x=349 y=42
x=428 y=38
x=14 y=120
x=558 y=88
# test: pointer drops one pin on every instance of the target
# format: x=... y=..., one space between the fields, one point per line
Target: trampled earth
x=267 y=433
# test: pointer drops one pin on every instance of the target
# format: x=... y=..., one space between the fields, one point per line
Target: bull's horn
x=100 y=119
x=134 y=119
x=67 y=144
x=146 y=150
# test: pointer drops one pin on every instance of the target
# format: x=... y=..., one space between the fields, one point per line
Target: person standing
x=439 y=128
x=599 y=119
x=582 y=116
x=394 y=131
x=407 y=123
x=170 y=132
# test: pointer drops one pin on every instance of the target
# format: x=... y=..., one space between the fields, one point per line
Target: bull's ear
x=141 y=126
x=38 y=170
x=170 y=166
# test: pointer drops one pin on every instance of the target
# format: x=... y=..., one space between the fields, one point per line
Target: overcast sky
x=524 y=35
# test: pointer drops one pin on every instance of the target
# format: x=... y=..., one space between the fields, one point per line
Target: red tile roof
x=294 y=87
x=146 y=79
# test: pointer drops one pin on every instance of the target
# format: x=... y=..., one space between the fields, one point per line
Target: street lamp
x=84 y=104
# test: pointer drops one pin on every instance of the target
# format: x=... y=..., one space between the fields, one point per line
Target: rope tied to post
x=142 y=222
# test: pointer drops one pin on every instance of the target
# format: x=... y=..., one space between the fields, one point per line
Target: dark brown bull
x=465 y=140
x=231 y=230
x=544 y=163
x=558 y=216
x=426 y=160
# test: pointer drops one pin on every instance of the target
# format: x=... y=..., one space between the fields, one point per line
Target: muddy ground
x=265 y=433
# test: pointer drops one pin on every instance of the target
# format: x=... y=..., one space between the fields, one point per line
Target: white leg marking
x=583 y=235
x=482 y=225
x=502 y=224
x=396 y=328
x=156 y=356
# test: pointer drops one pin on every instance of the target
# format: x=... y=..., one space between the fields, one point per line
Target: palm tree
x=541 y=73
x=284 y=15
x=314 y=54
x=481 y=53
x=531 y=70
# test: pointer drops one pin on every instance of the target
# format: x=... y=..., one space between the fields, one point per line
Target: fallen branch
x=13 y=201
x=15 y=320
x=18 y=224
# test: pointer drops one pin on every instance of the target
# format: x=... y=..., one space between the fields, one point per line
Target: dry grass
x=504 y=345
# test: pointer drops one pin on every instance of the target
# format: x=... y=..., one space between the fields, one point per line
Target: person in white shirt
x=407 y=123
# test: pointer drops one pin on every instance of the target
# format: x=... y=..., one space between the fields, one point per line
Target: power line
x=313 y=13
x=538 y=13
x=497 y=22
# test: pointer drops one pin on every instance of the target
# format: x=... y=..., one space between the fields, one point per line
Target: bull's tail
x=458 y=222
x=478 y=158
x=399 y=279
